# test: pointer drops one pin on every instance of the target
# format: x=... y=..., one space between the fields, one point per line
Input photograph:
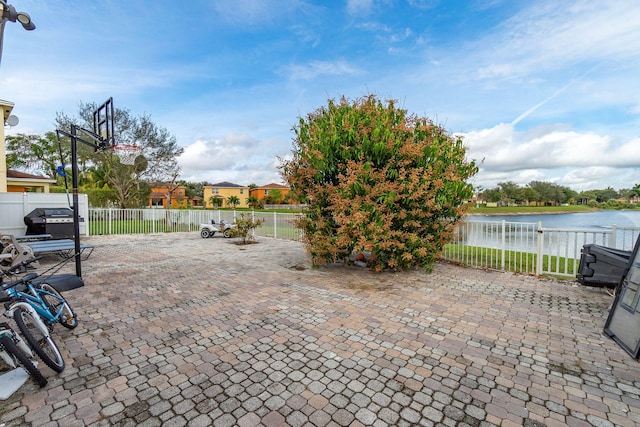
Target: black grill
x=55 y=221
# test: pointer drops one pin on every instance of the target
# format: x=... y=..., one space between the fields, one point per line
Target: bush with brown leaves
x=376 y=179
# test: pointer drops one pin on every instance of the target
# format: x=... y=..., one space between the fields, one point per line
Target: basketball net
x=127 y=153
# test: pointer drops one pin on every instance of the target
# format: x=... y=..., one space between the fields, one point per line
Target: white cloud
x=424 y=4
x=316 y=69
x=219 y=154
x=359 y=7
x=238 y=158
x=548 y=36
x=253 y=12
x=559 y=155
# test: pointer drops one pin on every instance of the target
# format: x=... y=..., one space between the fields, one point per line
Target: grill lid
x=50 y=213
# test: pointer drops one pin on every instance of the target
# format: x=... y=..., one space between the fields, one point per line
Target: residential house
x=20 y=182
x=13 y=181
x=160 y=193
x=630 y=199
x=5 y=107
x=262 y=193
x=224 y=190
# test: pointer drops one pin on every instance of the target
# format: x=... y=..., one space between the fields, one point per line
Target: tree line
x=275 y=197
x=101 y=174
x=542 y=193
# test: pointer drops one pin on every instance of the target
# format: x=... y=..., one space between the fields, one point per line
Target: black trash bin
x=55 y=221
x=601 y=266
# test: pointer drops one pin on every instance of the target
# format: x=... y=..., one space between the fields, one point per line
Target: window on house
x=266 y=192
x=215 y=191
x=241 y=191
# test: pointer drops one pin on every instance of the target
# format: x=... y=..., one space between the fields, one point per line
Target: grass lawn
x=97 y=227
x=514 y=261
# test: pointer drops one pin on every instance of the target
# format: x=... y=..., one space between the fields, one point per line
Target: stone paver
x=179 y=330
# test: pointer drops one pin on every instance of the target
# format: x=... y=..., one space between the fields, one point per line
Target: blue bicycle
x=36 y=306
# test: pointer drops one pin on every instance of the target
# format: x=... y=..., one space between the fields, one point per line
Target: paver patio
x=178 y=330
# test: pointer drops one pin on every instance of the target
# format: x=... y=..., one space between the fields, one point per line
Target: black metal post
x=76 y=204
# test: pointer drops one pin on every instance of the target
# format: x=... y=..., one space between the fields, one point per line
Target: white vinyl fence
x=15 y=206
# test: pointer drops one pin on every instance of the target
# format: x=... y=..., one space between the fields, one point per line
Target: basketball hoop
x=127 y=153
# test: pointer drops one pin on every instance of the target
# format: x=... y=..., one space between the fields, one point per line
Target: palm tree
x=233 y=201
x=215 y=201
x=252 y=201
x=635 y=191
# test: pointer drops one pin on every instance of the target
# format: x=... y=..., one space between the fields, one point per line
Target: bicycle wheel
x=40 y=341
x=10 y=347
x=56 y=302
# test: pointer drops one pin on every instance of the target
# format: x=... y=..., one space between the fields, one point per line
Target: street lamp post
x=9 y=14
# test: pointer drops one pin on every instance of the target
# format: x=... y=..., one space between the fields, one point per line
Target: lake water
x=584 y=220
x=521 y=232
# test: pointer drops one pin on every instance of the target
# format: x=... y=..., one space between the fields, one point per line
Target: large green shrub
x=377 y=180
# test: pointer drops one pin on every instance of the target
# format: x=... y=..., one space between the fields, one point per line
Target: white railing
x=104 y=221
x=529 y=247
x=150 y=221
x=507 y=246
x=278 y=225
x=558 y=245
x=497 y=245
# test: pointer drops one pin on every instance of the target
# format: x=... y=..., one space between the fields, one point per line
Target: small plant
x=246 y=225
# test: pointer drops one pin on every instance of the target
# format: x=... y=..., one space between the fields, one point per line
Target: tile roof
x=226 y=184
x=17 y=174
x=274 y=186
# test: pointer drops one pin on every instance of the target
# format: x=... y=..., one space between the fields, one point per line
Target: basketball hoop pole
x=73 y=135
x=103 y=133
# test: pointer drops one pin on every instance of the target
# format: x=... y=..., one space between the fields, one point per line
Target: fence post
x=25 y=204
x=613 y=239
x=275 y=225
x=504 y=236
x=539 y=254
x=253 y=219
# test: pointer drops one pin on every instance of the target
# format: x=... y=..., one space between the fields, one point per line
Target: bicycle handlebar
x=25 y=263
x=16 y=268
x=29 y=277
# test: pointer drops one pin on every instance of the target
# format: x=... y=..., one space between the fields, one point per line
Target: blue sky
x=542 y=90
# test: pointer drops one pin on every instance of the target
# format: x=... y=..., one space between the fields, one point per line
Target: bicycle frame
x=34 y=300
x=28 y=307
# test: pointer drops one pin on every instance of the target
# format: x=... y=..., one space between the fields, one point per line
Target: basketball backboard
x=103 y=124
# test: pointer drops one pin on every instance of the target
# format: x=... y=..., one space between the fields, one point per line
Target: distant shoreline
x=514 y=211
x=523 y=213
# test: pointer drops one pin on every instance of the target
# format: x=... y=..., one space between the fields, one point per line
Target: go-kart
x=208 y=230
